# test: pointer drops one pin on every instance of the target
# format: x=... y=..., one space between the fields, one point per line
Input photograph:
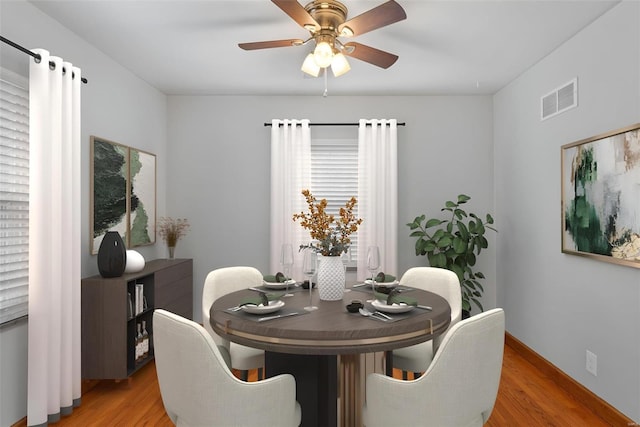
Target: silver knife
x=262 y=319
x=424 y=307
x=262 y=291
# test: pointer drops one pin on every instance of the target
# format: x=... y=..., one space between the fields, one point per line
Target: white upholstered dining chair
x=218 y=283
x=445 y=283
x=199 y=389
x=458 y=389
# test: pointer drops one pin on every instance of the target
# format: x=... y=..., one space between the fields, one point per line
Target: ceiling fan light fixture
x=323 y=54
x=346 y=32
x=340 y=65
x=310 y=67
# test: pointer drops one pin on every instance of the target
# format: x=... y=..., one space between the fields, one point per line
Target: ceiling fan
x=326 y=21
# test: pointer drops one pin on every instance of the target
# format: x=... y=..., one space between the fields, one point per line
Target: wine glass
x=309 y=269
x=286 y=260
x=373 y=264
x=346 y=259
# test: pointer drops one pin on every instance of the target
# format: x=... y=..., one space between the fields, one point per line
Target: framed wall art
x=601 y=197
x=123 y=193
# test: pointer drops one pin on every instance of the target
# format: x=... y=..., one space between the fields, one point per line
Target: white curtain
x=290 y=174
x=378 y=193
x=54 y=385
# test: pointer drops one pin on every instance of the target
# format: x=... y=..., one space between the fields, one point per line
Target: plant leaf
x=459 y=245
x=438 y=260
x=463 y=198
x=471 y=259
x=433 y=222
x=476 y=302
x=459 y=213
x=464 y=231
x=444 y=241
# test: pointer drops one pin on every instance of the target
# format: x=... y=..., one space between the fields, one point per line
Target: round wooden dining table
x=322 y=348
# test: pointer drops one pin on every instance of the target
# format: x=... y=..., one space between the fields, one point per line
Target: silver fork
x=381 y=314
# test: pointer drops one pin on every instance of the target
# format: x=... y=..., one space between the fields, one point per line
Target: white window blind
x=14 y=197
x=334 y=176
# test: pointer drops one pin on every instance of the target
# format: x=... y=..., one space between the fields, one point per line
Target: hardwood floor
x=527 y=397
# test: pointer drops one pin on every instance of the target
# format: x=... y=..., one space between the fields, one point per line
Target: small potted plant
x=171 y=230
x=454 y=243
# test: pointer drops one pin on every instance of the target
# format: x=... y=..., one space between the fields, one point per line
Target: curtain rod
x=334 y=124
x=37 y=56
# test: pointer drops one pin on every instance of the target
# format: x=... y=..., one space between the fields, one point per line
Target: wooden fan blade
x=270 y=44
x=369 y=54
x=297 y=12
x=380 y=16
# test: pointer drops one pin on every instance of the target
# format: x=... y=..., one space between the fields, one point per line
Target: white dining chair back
x=218 y=283
x=198 y=388
x=458 y=389
x=440 y=281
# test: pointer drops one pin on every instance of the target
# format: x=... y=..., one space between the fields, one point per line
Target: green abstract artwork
x=123 y=193
x=601 y=197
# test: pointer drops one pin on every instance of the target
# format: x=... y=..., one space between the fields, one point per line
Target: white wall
x=115 y=105
x=219 y=168
x=561 y=305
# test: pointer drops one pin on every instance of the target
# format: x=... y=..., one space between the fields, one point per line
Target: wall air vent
x=559 y=100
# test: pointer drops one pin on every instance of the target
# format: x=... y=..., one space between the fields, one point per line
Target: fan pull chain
x=325 y=84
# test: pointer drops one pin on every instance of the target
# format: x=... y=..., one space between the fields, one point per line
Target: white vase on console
x=135 y=262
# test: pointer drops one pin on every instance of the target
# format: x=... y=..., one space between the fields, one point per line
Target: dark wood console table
x=110 y=319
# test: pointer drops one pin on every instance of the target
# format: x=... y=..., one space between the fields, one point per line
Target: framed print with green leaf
x=123 y=193
x=601 y=197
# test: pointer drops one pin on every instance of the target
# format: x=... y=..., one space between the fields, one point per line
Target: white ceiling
x=446 y=47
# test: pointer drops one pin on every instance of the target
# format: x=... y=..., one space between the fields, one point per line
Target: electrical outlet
x=592 y=363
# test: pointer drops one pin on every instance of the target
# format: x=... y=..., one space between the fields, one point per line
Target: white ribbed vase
x=330 y=278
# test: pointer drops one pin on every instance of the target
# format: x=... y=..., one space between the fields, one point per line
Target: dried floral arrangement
x=171 y=230
x=331 y=235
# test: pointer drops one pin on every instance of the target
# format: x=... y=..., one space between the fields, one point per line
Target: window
x=14 y=196
x=334 y=176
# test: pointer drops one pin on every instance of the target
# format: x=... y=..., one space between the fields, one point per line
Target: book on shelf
x=129 y=306
x=139 y=298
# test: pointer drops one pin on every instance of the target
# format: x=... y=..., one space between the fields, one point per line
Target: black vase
x=112 y=255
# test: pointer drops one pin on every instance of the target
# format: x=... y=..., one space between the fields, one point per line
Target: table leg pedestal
x=350 y=393
x=316 y=384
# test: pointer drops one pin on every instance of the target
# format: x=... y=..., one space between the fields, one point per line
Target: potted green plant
x=454 y=243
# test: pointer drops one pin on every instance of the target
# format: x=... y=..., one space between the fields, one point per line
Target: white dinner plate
x=279 y=285
x=393 y=308
x=386 y=284
x=263 y=309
